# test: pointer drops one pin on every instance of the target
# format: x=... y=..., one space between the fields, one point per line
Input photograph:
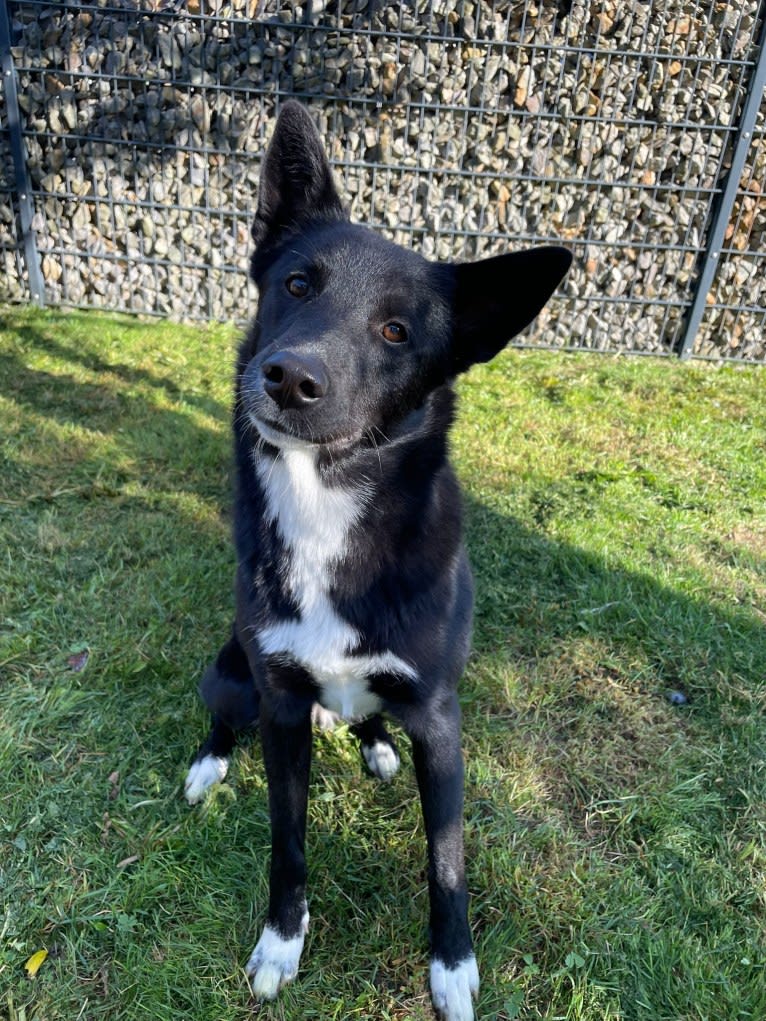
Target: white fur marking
x=323 y=718
x=280 y=440
x=203 y=774
x=453 y=990
x=275 y=960
x=314 y=520
x=381 y=759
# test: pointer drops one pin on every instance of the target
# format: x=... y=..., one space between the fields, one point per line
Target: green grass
x=616 y=514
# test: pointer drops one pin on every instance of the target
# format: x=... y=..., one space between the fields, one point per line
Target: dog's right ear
x=296 y=181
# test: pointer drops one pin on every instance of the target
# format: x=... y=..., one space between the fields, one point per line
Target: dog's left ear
x=494 y=299
x=296 y=182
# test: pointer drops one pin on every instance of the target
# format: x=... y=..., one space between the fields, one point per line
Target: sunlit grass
x=616 y=520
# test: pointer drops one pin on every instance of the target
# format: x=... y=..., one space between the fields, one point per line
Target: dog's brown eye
x=394 y=333
x=297 y=285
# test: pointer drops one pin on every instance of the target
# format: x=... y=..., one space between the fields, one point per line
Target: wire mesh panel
x=11 y=269
x=11 y=263
x=735 y=318
x=463 y=128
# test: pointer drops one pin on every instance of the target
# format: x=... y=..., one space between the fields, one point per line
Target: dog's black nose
x=294 y=380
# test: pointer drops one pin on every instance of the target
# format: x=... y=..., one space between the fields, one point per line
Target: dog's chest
x=314 y=520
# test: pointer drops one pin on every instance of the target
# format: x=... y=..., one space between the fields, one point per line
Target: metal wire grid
x=735 y=315
x=10 y=254
x=461 y=133
x=11 y=264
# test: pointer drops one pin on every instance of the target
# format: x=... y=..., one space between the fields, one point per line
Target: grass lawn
x=616 y=514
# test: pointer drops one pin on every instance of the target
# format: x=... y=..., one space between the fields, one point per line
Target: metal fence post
x=23 y=192
x=722 y=214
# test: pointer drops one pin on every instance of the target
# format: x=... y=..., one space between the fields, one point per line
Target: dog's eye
x=394 y=333
x=298 y=285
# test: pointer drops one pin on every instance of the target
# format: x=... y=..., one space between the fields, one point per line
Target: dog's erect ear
x=494 y=299
x=296 y=181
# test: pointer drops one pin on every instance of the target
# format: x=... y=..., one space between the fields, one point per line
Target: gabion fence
x=131 y=135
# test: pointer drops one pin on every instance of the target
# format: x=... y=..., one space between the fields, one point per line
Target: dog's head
x=353 y=332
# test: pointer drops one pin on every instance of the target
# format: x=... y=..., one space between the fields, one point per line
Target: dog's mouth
x=284 y=439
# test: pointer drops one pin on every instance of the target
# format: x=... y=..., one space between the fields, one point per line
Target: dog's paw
x=205 y=772
x=453 y=990
x=323 y=718
x=381 y=758
x=274 y=961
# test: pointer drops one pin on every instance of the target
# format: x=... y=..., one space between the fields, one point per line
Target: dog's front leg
x=287 y=757
x=439 y=768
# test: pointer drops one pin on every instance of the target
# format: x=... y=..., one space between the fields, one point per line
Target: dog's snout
x=294 y=381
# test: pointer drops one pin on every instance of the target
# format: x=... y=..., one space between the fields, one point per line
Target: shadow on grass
x=146 y=413
x=43 y=337
x=534 y=592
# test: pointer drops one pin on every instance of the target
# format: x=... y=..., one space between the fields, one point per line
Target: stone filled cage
x=131 y=135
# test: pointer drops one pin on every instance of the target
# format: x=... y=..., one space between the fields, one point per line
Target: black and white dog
x=353 y=588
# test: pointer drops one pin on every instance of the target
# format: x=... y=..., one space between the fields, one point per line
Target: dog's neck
x=306 y=506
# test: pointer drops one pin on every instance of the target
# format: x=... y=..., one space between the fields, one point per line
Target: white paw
x=381 y=759
x=203 y=774
x=454 y=989
x=274 y=961
x=323 y=718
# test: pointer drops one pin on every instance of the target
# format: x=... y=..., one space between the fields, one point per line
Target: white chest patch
x=313 y=520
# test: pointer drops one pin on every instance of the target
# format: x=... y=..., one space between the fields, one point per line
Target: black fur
x=326 y=363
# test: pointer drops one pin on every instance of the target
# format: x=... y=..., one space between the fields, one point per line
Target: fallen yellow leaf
x=35 y=962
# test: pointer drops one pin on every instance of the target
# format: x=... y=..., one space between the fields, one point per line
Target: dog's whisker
x=371 y=434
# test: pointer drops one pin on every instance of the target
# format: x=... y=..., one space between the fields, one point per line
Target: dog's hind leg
x=377 y=747
x=228 y=690
x=211 y=763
